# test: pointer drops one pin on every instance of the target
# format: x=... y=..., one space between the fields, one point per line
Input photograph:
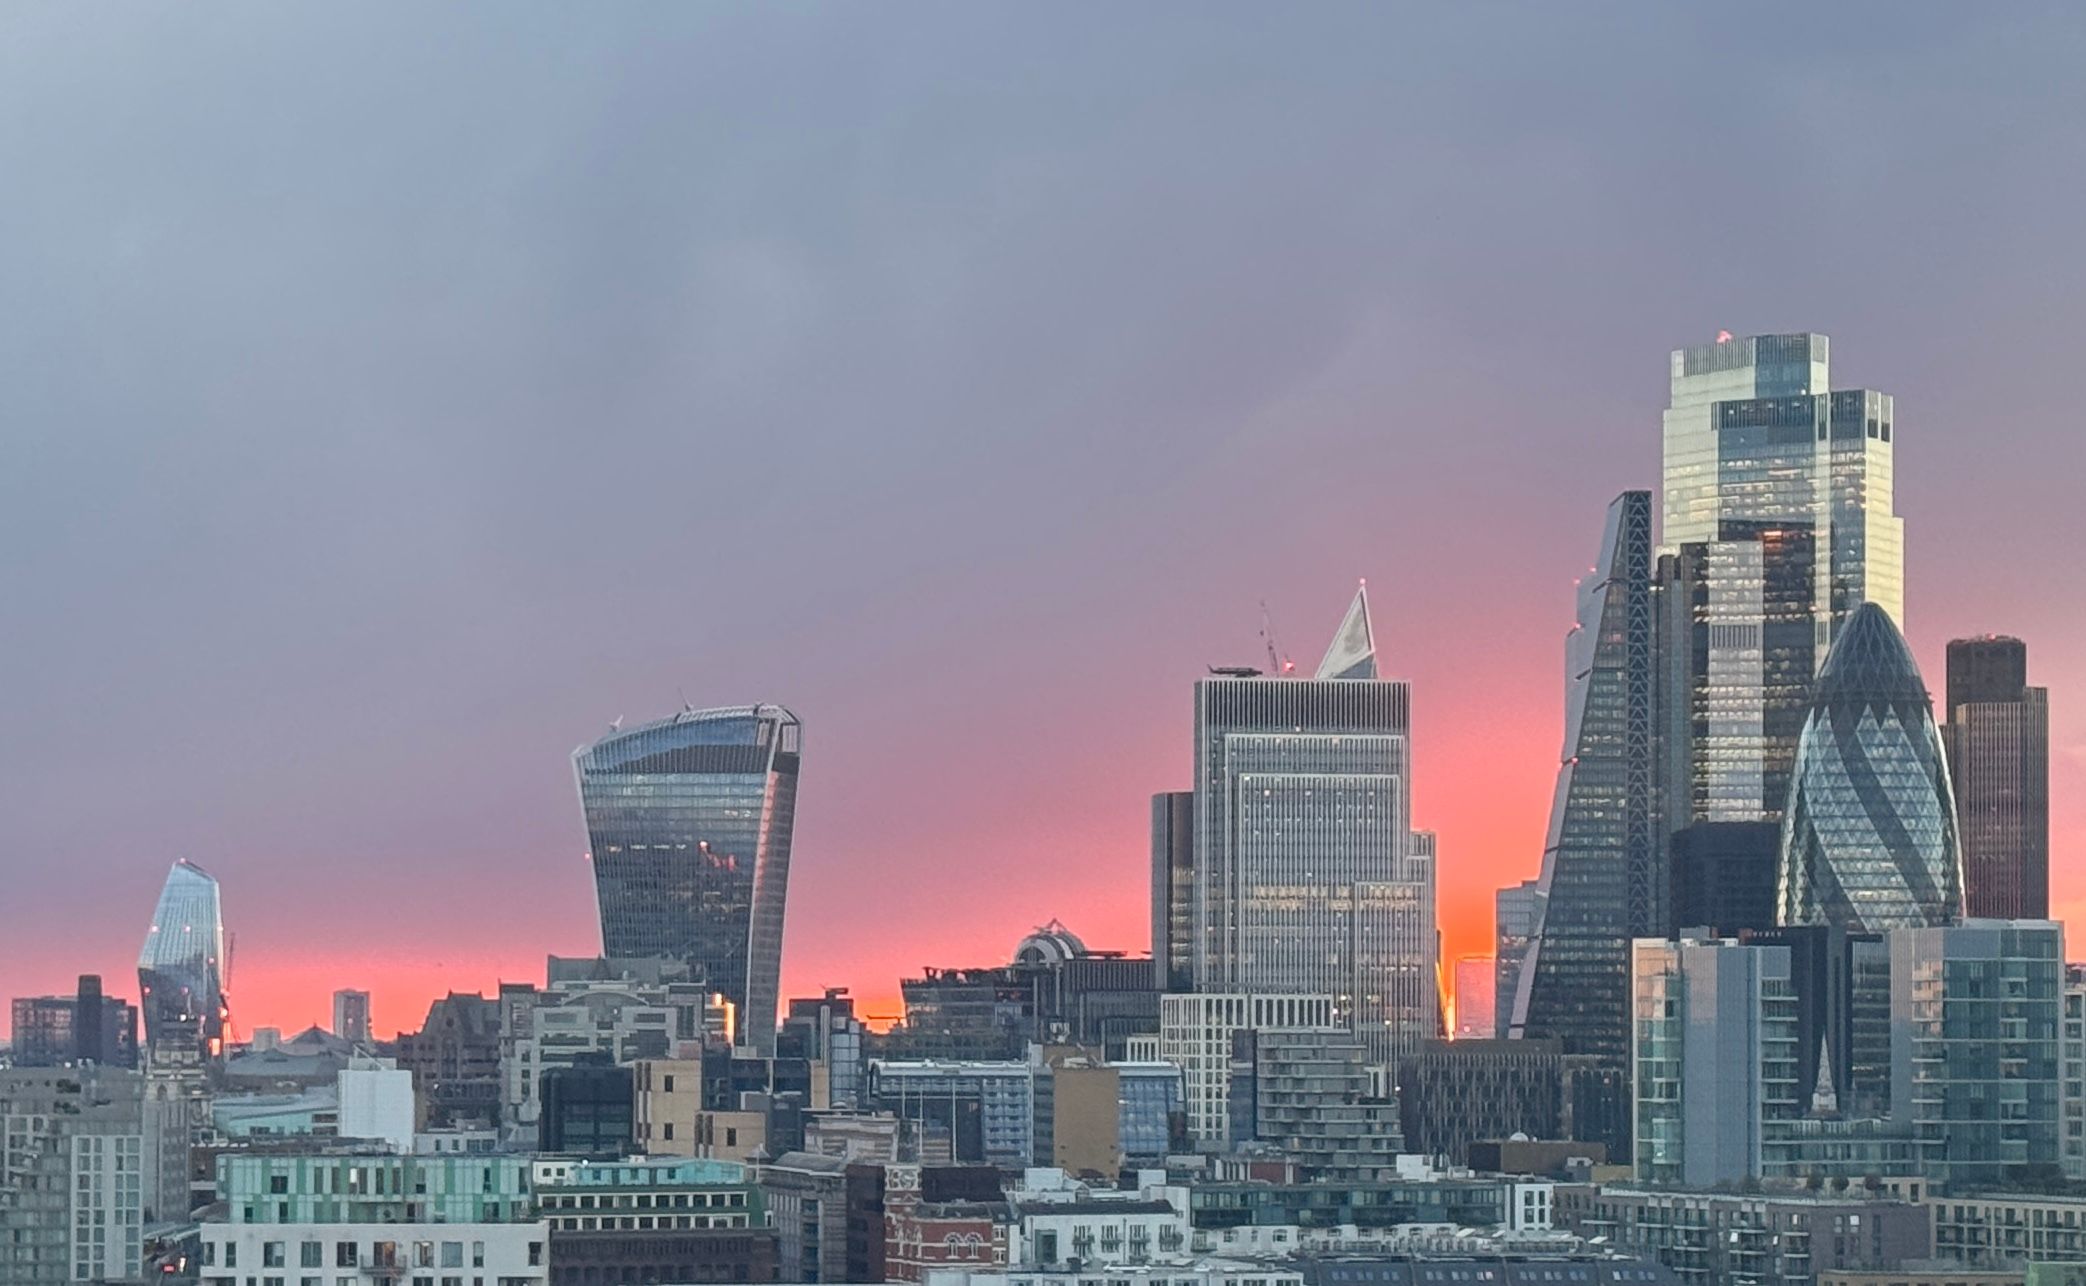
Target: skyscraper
x=1173 y=889
x=1308 y=879
x=351 y=1016
x=1602 y=883
x=1869 y=842
x=689 y=822
x=1476 y=982
x=181 y=969
x=1998 y=737
x=1778 y=524
x=1517 y=910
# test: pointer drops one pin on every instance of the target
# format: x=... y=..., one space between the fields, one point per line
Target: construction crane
x=1279 y=664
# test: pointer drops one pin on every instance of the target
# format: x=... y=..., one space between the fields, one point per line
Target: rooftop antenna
x=683 y=694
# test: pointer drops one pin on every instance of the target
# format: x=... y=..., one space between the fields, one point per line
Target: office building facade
x=1602 y=882
x=689 y=824
x=1307 y=876
x=1173 y=890
x=1870 y=841
x=1517 y=911
x=1998 y=737
x=1778 y=524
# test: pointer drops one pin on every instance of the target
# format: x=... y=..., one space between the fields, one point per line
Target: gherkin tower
x=1869 y=840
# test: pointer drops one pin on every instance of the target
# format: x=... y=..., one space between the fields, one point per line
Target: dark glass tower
x=1601 y=883
x=1173 y=889
x=1998 y=737
x=181 y=969
x=689 y=822
x=1869 y=840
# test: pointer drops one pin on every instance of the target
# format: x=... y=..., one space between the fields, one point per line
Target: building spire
x=1353 y=651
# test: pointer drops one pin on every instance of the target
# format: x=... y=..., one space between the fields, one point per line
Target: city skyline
x=347 y=661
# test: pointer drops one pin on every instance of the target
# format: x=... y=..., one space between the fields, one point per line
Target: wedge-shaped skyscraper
x=689 y=821
x=1600 y=886
x=181 y=969
x=1869 y=840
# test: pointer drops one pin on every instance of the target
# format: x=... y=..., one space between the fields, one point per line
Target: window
x=272 y=1255
x=311 y=1254
x=343 y=1254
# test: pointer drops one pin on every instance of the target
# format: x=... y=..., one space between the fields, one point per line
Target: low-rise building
x=1055 y=1234
x=370 y=1219
x=967 y=1112
x=1201 y=1272
x=1748 y=1239
x=663 y=1219
x=807 y=1197
x=942 y=1217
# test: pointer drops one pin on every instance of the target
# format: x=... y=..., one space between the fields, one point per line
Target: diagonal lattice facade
x=1869 y=840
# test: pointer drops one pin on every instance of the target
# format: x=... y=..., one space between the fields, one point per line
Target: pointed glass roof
x=1353 y=651
x=1870 y=661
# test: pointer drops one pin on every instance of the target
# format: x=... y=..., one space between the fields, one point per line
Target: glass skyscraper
x=1601 y=885
x=181 y=969
x=1998 y=736
x=1869 y=839
x=1778 y=524
x=1308 y=878
x=689 y=822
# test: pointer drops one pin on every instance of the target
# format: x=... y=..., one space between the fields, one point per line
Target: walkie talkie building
x=689 y=822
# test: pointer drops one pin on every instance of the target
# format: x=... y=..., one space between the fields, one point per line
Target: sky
x=394 y=395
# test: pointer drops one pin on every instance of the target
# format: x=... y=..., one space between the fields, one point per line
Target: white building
x=1183 y=1272
x=376 y=1254
x=376 y=1102
x=1195 y=1035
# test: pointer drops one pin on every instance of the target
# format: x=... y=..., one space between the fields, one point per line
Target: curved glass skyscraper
x=181 y=968
x=689 y=822
x=1869 y=839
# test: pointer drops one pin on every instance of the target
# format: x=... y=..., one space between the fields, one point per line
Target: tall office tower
x=1778 y=524
x=1976 y=1012
x=1602 y=882
x=181 y=970
x=1516 y=912
x=1476 y=980
x=1308 y=878
x=1173 y=889
x=1998 y=738
x=351 y=1016
x=689 y=822
x=1869 y=843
